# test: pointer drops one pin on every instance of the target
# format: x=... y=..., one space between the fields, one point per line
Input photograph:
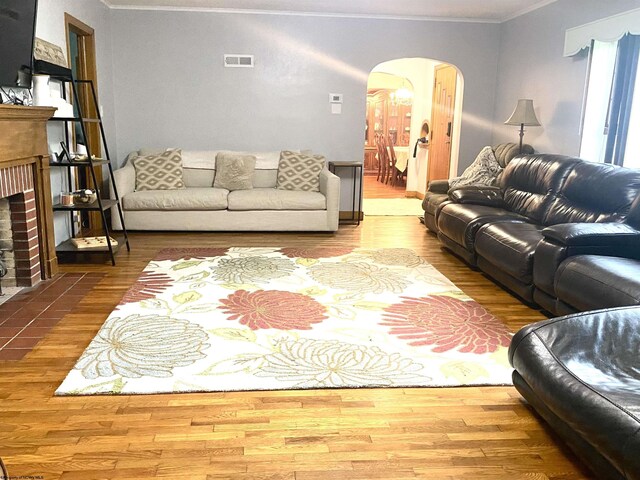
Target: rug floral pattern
x=225 y=319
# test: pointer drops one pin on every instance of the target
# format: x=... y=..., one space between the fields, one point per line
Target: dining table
x=402 y=158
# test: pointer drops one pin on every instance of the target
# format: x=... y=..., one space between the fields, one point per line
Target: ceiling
x=472 y=10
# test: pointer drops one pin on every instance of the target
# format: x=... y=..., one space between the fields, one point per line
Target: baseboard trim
x=413 y=194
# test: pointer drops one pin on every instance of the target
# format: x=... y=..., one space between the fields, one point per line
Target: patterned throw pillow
x=297 y=171
x=483 y=171
x=234 y=171
x=159 y=172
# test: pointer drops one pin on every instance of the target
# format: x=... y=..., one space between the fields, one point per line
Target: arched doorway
x=401 y=99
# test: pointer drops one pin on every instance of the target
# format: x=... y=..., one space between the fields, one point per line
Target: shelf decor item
x=85 y=196
x=66 y=199
x=93 y=242
x=65 y=153
x=41 y=91
x=49 y=52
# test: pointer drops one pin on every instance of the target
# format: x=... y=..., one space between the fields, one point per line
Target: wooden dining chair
x=383 y=159
x=393 y=171
x=376 y=140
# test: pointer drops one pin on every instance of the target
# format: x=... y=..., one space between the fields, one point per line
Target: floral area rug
x=291 y=318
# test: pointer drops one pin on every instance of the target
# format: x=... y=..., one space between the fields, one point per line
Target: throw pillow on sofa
x=483 y=171
x=297 y=171
x=234 y=171
x=162 y=171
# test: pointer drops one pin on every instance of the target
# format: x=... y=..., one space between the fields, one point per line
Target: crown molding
x=299 y=14
x=529 y=9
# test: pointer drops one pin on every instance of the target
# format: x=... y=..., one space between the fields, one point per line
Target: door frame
x=87 y=66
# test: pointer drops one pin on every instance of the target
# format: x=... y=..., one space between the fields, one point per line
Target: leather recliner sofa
x=437 y=192
x=580 y=373
x=551 y=219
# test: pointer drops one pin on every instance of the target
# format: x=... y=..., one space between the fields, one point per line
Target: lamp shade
x=524 y=114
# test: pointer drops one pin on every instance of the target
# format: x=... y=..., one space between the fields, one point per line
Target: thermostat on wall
x=335 y=98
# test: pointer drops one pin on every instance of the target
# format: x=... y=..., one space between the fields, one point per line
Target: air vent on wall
x=235 y=60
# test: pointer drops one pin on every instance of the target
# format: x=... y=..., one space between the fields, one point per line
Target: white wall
x=531 y=65
x=172 y=90
x=50 y=26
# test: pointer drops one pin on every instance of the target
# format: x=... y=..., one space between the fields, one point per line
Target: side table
x=357 y=169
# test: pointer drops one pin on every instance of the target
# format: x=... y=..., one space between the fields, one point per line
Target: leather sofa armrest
x=570 y=239
x=489 y=196
x=593 y=234
x=438 y=186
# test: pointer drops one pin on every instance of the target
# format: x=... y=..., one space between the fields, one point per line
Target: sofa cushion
x=275 y=199
x=265 y=178
x=588 y=282
x=505 y=152
x=510 y=247
x=264 y=160
x=159 y=172
x=531 y=182
x=198 y=177
x=461 y=222
x=186 y=199
x=234 y=171
x=297 y=171
x=595 y=192
x=483 y=171
x=199 y=159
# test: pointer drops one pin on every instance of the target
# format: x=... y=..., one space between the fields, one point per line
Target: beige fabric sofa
x=201 y=207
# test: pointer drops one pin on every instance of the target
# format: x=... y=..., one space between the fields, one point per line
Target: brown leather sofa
x=580 y=267
x=581 y=374
x=437 y=192
x=551 y=219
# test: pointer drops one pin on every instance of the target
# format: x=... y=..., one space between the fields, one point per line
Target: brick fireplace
x=26 y=225
x=19 y=227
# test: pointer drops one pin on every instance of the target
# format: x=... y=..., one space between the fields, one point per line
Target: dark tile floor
x=28 y=316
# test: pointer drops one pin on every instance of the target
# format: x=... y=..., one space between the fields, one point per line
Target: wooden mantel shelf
x=23 y=132
x=23 y=141
x=20 y=112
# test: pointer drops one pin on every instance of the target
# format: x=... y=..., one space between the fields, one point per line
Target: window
x=594 y=132
x=611 y=111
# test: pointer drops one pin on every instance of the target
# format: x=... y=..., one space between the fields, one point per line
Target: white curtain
x=607 y=29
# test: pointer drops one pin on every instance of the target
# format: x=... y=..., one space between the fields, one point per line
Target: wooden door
x=444 y=98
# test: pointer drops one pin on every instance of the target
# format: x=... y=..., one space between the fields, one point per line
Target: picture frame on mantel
x=49 y=52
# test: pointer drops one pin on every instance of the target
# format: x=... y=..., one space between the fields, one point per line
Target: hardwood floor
x=376 y=189
x=430 y=433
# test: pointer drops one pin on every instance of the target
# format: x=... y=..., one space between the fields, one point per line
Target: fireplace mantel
x=23 y=141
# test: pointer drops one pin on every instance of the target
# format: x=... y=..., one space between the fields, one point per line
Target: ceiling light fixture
x=402 y=96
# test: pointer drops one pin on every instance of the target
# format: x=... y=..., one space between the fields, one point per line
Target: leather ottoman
x=581 y=373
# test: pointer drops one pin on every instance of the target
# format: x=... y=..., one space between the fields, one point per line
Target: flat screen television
x=17 y=32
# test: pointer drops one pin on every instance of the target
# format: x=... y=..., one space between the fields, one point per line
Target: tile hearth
x=7 y=293
x=27 y=317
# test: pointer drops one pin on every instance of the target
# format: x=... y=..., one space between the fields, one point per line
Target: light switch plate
x=336 y=108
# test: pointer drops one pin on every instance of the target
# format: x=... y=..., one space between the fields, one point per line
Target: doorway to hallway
x=401 y=101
